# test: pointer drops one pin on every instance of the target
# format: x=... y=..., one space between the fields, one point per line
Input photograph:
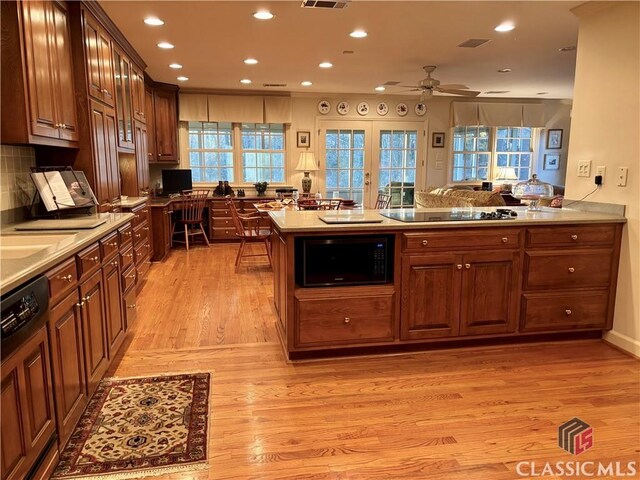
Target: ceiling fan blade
x=454 y=86
x=409 y=86
x=412 y=90
x=453 y=91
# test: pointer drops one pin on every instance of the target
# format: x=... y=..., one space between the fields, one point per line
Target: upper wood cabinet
x=100 y=76
x=165 y=114
x=138 y=94
x=151 y=124
x=123 y=85
x=105 y=155
x=38 y=105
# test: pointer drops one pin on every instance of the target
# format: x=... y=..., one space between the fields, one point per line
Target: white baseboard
x=623 y=342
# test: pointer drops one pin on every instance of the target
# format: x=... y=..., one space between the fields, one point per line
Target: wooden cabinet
x=142 y=158
x=129 y=307
x=67 y=355
x=99 y=62
x=27 y=411
x=116 y=327
x=138 y=94
x=123 y=88
x=38 y=105
x=105 y=155
x=160 y=232
x=165 y=115
x=151 y=124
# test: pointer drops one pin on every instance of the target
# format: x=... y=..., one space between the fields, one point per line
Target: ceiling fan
x=429 y=85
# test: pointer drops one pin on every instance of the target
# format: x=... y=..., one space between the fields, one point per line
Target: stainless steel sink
x=24 y=245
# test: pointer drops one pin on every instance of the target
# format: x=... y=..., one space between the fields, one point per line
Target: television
x=176 y=180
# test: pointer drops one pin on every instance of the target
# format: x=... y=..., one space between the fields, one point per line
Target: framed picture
x=554 y=139
x=437 y=140
x=551 y=161
x=303 y=139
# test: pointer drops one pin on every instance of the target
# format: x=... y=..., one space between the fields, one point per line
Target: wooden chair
x=383 y=201
x=249 y=230
x=191 y=206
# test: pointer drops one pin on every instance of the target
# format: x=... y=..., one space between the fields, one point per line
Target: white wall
x=605 y=129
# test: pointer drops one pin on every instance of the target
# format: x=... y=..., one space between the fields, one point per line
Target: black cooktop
x=455 y=216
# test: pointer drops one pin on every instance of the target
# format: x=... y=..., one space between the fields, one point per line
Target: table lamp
x=306 y=164
x=506 y=173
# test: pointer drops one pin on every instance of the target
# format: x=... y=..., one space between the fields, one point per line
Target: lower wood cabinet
x=161 y=232
x=130 y=307
x=116 y=327
x=27 y=411
x=67 y=356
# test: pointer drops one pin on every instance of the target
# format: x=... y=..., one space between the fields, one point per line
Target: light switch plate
x=584 y=168
x=623 y=173
x=439 y=165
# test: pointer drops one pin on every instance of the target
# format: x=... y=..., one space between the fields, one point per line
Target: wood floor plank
x=470 y=413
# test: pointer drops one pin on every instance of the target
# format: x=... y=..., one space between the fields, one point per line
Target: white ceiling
x=212 y=38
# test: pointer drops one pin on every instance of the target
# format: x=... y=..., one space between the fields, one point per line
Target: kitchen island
x=548 y=274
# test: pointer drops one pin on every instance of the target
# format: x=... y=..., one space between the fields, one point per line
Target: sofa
x=456 y=197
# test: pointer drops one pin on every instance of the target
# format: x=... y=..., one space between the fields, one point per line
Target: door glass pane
x=345 y=158
x=397 y=165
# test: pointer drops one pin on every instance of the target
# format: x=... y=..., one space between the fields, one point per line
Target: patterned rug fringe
x=163 y=374
x=152 y=472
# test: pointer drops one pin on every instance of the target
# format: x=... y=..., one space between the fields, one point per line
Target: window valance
x=234 y=108
x=498 y=114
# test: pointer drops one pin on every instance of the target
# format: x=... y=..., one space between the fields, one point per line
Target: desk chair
x=249 y=230
x=191 y=206
x=382 y=201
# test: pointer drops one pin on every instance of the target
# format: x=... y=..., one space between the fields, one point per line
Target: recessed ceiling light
x=505 y=27
x=504 y=70
x=306 y=83
x=251 y=61
x=358 y=34
x=175 y=65
x=165 y=45
x=326 y=65
x=263 y=15
x=246 y=81
x=155 y=21
x=183 y=79
x=567 y=49
x=380 y=89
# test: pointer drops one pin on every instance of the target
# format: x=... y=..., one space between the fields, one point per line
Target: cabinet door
x=14 y=447
x=94 y=326
x=64 y=88
x=115 y=319
x=122 y=68
x=151 y=124
x=92 y=56
x=489 y=293
x=142 y=164
x=67 y=356
x=112 y=155
x=101 y=152
x=106 y=68
x=130 y=308
x=137 y=94
x=166 y=125
x=430 y=296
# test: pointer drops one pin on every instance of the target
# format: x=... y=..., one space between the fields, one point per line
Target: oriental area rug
x=138 y=427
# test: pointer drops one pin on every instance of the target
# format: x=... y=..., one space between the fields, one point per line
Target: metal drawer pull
x=347 y=320
x=130 y=255
x=81 y=304
x=66 y=278
x=467 y=266
x=145 y=228
x=95 y=259
x=115 y=264
x=113 y=244
x=87 y=298
x=133 y=275
x=571 y=269
x=574 y=237
x=138 y=235
x=131 y=306
x=568 y=312
x=505 y=239
x=459 y=266
x=425 y=243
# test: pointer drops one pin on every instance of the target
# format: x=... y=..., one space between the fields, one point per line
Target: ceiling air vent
x=473 y=42
x=274 y=85
x=324 y=4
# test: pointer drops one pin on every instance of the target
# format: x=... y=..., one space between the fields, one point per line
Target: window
x=218 y=151
x=479 y=151
x=211 y=151
x=263 y=153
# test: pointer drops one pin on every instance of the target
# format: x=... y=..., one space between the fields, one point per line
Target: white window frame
x=262 y=151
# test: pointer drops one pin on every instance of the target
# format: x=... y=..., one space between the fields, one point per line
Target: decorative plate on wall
x=402 y=109
x=420 y=109
x=362 y=108
x=382 y=108
x=343 y=108
x=324 y=107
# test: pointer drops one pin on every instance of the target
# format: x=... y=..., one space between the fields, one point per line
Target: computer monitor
x=176 y=180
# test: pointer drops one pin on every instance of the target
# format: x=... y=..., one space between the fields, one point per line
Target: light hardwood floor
x=470 y=413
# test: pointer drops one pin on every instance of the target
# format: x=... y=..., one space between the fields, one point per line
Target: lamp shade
x=506 y=173
x=307 y=162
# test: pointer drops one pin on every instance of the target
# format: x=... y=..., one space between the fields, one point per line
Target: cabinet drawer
x=571 y=236
x=109 y=245
x=140 y=215
x=126 y=258
x=61 y=279
x=223 y=233
x=88 y=260
x=141 y=233
x=125 y=235
x=340 y=320
x=461 y=239
x=222 y=222
x=142 y=268
x=128 y=278
x=565 y=270
x=142 y=251
x=220 y=212
x=545 y=312
x=130 y=308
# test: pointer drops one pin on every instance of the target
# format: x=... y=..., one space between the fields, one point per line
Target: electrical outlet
x=623 y=173
x=601 y=170
x=584 y=168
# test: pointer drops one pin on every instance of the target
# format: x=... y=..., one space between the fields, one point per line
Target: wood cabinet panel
x=130 y=307
x=105 y=154
x=461 y=239
x=151 y=123
x=62 y=279
x=137 y=94
x=38 y=391
x=122 y=71
x=14 y=447
x=564 y=311
x=116 y=327
x=142 y=159
x=94 y=327
x=125 y=234
x=89 y=260
x=98 y=59
x=67 y=355
x=160 y=232
x=109 y=245
x=166 y=124
x=561 y=269
x=570 y=236
x=129 y=277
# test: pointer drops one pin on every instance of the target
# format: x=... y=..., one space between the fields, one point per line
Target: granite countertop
x=15 y=271
x=131 y=202
x=309 y=221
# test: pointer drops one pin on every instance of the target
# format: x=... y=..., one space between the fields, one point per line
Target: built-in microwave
x=348 y=260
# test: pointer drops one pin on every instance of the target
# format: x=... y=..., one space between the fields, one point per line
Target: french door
x=363 y=159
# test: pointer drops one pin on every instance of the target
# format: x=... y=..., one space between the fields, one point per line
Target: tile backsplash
x=16 y=187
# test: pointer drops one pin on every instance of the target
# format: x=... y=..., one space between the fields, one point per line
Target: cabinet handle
x=145 y=228
x=347 y=320
x=505 y=239
x=149 y=154
x=131 y=306
x=87 y=299
x=571 y=269
x=130 y=255
x=63 y=126
x=81 y=304
x=104 y=90
x=133 y=275
x=66 y=278
x=568 y=312
x=58 y=125
x=138 y=235
x=113 y=244
x=459 y=266
x=425 y=243
x=574 y=237
x=114 y=263
x=95 y=259
x=467 y=266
